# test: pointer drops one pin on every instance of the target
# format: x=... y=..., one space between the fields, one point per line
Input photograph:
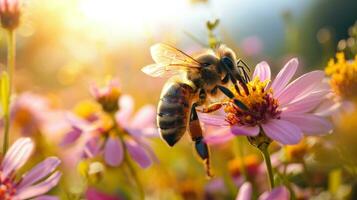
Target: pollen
x=258 y=98
x=343 y=75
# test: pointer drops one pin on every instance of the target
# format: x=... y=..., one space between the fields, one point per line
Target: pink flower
x=9 y=14
x=33 y=183
x=108 y=95
x=283 y=110
x=97 y=139
x=252 y=45
x=279 y=193
x=34 y=114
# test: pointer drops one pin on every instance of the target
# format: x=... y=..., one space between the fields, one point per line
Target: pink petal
x=40 y=171
x=126 y=109
x=217 y=135
x=46 y=197
x=279 y=193
x=137 y=152
x=41 y=188
x=144 y=118
x=245 y=130
x=284 y=76
x=328 y=107
x=78 y=122
x=71 y=136
x=303 y=84
x=17 y=155
x=262 y=71
x=282 y=131
x=113 y=152
x=92 y=147
x=245 y=192
x=307 y=103
x=308 y=123
x=212 y=119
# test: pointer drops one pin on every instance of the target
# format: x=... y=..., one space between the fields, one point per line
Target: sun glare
x=130 y=17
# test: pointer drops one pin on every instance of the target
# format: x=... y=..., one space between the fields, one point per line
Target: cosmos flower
x=97 y=134
x=10 y=14
x=246 y=193
x=283 y=111
x=33 y=183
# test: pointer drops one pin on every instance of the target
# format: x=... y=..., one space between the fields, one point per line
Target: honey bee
x=193 y=82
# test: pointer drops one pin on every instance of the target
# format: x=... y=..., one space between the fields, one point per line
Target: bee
x=193 y=82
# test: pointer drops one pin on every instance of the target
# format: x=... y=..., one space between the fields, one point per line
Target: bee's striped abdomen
x=173 y=111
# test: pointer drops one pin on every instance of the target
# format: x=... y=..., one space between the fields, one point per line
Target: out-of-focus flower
x=281 y=111
x=279 y=193
x=343 y=81
x=251 y=165
x=252 y=45
x=97 y=133
x=10 y=14
x=297 y=152
x=93 y=194
x=33 y=183
x=33 y=114
x=343 y=75
x=107 y=96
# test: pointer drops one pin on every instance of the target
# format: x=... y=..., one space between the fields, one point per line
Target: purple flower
x=284 y=111
x=33 y=113
x=38 y=181
x=96 y=136
x=279 y=193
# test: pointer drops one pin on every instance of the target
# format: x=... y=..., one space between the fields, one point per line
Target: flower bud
x=10 y=14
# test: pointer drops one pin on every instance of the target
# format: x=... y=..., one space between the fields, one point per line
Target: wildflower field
x=178 y=100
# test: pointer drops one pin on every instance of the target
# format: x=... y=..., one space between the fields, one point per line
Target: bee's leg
x=243 y=69
x=212 y=107
x=244 y=64
x=235 y=76
x=225 y=79
x=230 y=95
x=196 y=134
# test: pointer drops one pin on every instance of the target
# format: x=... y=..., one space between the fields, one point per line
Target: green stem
x=136 y=179
x=266 y=155
x=127 y=160
x=11 y=46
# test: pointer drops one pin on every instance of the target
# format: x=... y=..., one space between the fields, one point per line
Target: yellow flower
x=343 y=75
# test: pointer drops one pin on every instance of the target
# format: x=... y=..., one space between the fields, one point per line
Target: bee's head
x=227 y=60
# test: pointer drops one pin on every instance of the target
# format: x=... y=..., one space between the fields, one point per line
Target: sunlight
x=129 y=18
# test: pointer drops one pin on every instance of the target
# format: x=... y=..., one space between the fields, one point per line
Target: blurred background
x=63 y=46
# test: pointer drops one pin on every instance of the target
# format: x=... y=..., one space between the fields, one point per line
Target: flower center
x=7 y=189
x=343 y=76
x=259 y=101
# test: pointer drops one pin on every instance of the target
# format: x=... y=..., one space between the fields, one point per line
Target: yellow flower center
x=259 y=101
x=343 y=76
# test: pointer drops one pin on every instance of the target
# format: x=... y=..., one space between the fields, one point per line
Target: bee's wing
x=156 y=70
x=169 y=61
